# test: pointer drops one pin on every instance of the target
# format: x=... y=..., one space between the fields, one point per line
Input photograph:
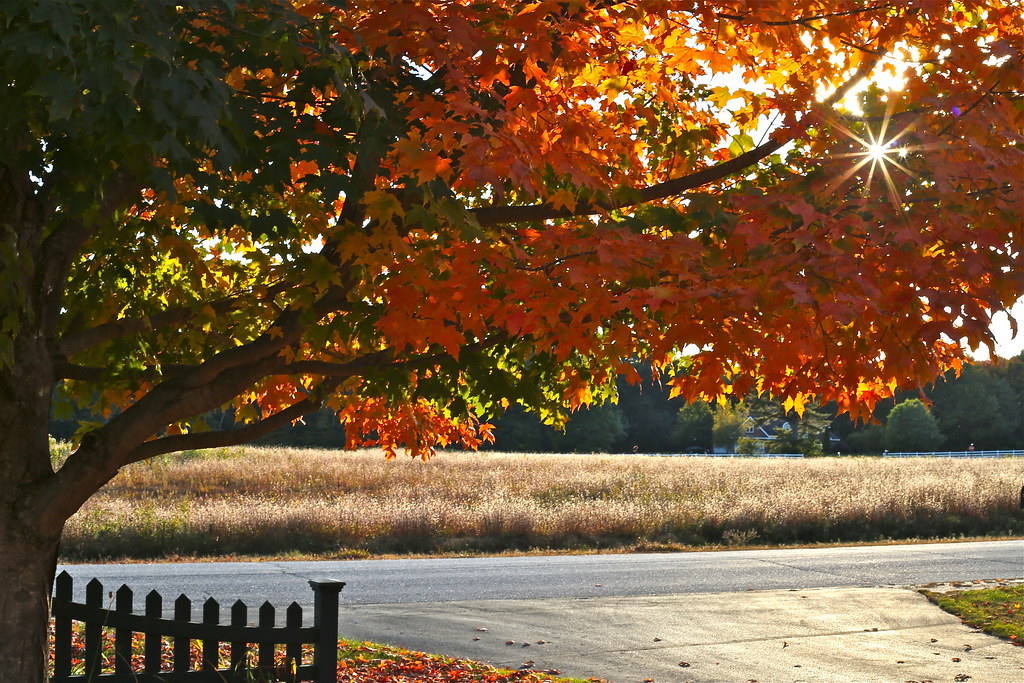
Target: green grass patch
x=996 y=611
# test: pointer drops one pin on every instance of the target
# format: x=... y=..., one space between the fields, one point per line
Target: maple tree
x=419 y=213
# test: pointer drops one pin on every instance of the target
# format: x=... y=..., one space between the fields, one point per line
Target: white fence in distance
x=918 y=454
x=726 y=455
x=957 y=454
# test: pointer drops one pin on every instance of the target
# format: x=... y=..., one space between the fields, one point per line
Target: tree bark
x=27 y=566
x=28 y=544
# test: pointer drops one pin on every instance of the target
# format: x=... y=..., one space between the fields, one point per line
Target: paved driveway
x=864 y=635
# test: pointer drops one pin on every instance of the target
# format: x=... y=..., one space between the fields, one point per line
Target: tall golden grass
x=289 y=501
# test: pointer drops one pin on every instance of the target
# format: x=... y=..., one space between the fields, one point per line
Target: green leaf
x=741 y=143
x=61 y=94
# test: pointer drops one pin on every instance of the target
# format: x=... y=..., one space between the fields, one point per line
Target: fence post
x=154 y=610
x=292 y=651
x=211 y=647
x=325 y=619
x=123 y=636
x=239 y=617
x=63 y=589
x=266 y=649
x=93 y=630
x=182 y=646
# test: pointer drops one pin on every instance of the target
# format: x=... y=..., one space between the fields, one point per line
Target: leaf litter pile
x=367 y=662
x=359 y=662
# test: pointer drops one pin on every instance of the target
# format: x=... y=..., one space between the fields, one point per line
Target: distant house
x=767 y=432
x=762 y=434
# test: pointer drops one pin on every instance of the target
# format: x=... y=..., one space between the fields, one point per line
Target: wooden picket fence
x=252 y=648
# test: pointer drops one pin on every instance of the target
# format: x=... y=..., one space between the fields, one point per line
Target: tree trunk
x=27 y=566
x=28 y=546
x=28 y=543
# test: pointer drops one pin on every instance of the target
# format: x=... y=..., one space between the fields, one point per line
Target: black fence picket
x=210 y=633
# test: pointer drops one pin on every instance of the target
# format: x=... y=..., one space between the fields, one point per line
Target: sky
x=1007 y=345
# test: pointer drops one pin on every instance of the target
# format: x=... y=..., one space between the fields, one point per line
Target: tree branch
x=985 y=95
x=90 y=466
x=86 y=373
x=498 y=215
x=77 y=342
x=379 y=359
x=195 y=391
x=232 y=437
x=71 y=344
x=803 y=20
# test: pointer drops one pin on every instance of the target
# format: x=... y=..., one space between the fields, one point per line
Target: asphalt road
x=371 y=582
x=830 y=615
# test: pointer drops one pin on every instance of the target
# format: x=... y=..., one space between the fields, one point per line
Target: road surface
x=371 y=582
x=829 y=615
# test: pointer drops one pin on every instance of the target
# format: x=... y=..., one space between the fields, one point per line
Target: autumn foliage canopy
x=419 y=213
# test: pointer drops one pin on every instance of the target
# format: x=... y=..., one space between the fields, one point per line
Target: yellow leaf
x=796 y=403
x=563 y=199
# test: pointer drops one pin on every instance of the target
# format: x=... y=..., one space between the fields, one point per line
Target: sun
x=880 y=149
x=880 y=152
x=876 y=152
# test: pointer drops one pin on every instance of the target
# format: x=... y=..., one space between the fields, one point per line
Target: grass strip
x=996 y=611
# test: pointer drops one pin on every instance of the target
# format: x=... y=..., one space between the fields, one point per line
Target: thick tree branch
x=286 y=331
x=192 y=392
x=90 y=466
x=380 y=359
x=104 y=450
x=498 y=215
x=123 y=440
x=232 y=437
x=802 y=20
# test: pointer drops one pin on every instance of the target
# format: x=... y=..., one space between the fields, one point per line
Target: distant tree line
x=983 y=408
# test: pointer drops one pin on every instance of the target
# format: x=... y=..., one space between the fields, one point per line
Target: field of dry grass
x=278 y=501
